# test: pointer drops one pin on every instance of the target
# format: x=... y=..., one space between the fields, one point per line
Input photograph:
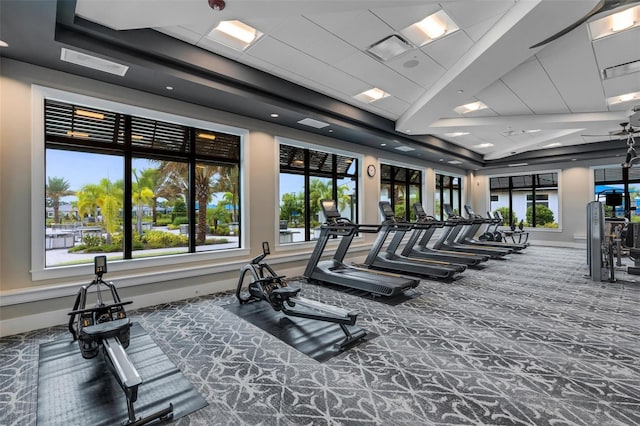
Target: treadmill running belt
x=73 y=390
x=316 y=339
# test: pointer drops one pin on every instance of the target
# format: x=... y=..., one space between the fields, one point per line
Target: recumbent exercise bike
x=107 y=326
x=268 y=286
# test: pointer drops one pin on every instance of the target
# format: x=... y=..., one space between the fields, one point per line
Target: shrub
x=180 y=220
x=163 y=221
x=504 y=211
x=222 y=230
x=160 y=239
x=91 y=240
x=543 y=215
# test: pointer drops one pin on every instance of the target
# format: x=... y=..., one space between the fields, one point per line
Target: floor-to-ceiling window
x=308 y=176
x=402 y=187
x=621 y=181
x=448 y=191
x=131 y=186
x=529 y=198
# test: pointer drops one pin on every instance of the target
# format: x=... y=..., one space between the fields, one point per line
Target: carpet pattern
x=527 y=341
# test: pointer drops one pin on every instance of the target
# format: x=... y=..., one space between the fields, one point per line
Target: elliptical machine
x=107 y=326
x=268 y=286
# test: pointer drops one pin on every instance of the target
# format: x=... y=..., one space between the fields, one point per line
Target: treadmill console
x=330 y=209
x=420 y=213
x=386 y=209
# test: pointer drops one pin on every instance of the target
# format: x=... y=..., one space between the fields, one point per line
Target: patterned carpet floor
x=527 y=341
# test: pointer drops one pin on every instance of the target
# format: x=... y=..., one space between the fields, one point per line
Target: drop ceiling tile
x=629 y=83
x=468 y=13
x=532 y=85
x=181 y=33
x=360 y=29
x=339 y=81
x=364 y=67
x=391 y=106
x=571 y=65
x=449 y=49
x=417 y=67
x=618 y=48
x=312 y=39
x=477 y=31
x=502 y=100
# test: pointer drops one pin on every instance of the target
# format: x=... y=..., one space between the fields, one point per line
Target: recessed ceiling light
x=456 y=134
x=169 y=87
x=624 y=20
x=274 y=115
x=430 y=28
x=483 y=145
x=371 y=95
x=518 y=164
x=623 y=98
x=405 y=148
x=389 y=47
x=473 y=106
x=92 y=62
x=4 y=43
x=454 y=162
x=313 y=123
x=383 y=144
x=551 y=145
x=234 y=34
x=330 y=130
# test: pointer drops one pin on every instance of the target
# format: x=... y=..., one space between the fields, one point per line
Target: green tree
x=291 y=203
x=108 y=196
x=544 y=215
x=227 y=181
x=141 y=194
x=55 y=189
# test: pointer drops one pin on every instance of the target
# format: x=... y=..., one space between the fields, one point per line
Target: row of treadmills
x=390 y=270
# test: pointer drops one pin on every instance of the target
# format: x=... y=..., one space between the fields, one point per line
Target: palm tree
x=227 y=181
x=108 y=196
x=55 y=189
x=141 y=194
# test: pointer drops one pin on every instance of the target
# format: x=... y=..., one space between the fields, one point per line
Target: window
x=514 y=197
x=448 y=191
x=624 y=181
x=402 y=187
x=308 y=176
x=134 y=187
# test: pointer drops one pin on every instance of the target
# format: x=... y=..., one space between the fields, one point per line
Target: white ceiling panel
x=315 y=41
x=502 y=100
x=417 y=67
x=391 y=106
x=620 y=85
x=360 y=29
x=532 y=85
x=618 y=48
x=477 y=31
x=449 y=49
x=180 y=32
x=468 y=13
x=341 y=82
x=380 y=76
x=570 y=64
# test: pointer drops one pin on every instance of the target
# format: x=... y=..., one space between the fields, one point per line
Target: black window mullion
x=191 y=201
x=127 y=203
x=307 y=197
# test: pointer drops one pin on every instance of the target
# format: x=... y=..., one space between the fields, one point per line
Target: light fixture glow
x=518 y=164
x=622 y=20
x=551 y=145
x=456 y=134
x=274 y=115
x=90 y=114
x=238 y=30
x=207 y=136
x=484 y=145
x=454 y=162
x=4 y=43
x=432 y=26
x=626 y=97
x=169 y=87
x=137 y=137
x=371 y=95
x=473 y=106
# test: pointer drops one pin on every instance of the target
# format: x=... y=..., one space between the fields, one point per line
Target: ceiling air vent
x=93 y=62
x=313 y=123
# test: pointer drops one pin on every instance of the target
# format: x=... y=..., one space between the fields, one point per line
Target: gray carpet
x=527 y=341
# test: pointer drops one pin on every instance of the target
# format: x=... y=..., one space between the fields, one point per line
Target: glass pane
x=320 y=188
x=414 y=197
x=159 y=215
x=385 y=172
x=347 y=198
x=292 y=217
x=218 y=224
x=83 y=207
x=399 y=200
x=547 y=208
x=500 y=202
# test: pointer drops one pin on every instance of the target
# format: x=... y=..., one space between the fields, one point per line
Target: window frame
x=440 y=190
x=392 y=182
x=280 y=140
x=558 y=173
x=38 y=270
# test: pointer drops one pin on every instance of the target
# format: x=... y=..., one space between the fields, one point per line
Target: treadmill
x=468 y=236
x=424 y=229
x=389 y=260
x=448 y=239
x=335 y=271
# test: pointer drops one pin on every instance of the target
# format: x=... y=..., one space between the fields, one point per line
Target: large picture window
x=622 y=181
x=532 y=199
x=308 y=176
x=448 y=191
x=402 y=188
x=133 y=187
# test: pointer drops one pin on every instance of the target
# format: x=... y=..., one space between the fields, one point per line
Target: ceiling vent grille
x=93 y=62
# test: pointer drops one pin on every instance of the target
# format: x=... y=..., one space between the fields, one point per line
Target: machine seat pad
x=286 y=292
x=107 y=329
